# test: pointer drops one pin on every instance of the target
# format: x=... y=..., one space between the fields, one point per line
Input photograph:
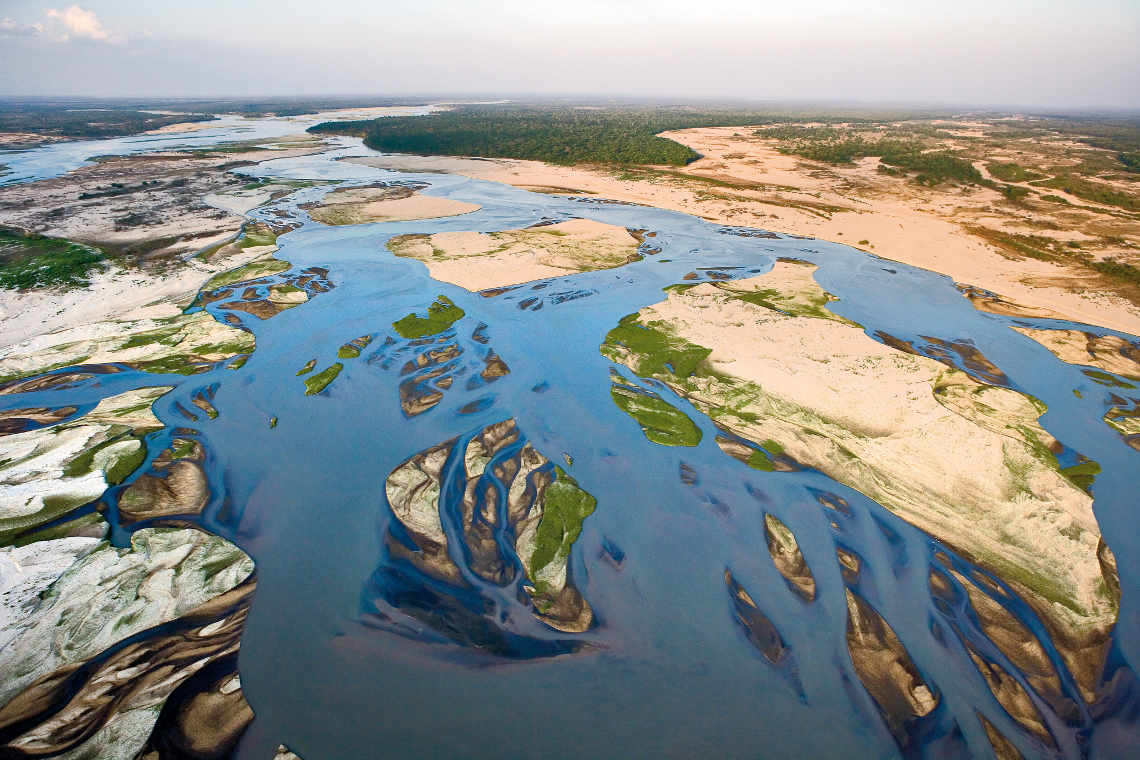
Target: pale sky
x=1045 y=53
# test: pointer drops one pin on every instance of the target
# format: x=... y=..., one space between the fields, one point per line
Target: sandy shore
x=744 y=180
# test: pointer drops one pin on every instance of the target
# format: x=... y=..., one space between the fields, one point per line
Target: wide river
x=669 y=671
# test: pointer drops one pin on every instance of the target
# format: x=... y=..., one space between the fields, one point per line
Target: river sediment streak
x=643 y=485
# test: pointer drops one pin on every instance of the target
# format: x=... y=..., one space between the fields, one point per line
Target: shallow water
x=668 y=670
x=56 y=159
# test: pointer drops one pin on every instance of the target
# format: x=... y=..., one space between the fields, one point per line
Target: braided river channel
x=676 y=634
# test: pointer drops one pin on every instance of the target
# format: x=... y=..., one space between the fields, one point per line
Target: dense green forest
x=560 y=134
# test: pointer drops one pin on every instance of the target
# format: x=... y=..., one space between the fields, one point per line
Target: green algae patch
x=661 y=422
x=321 y=380
x=309 y=365
x=442 y=314
x=653 y=350
x=566 y=507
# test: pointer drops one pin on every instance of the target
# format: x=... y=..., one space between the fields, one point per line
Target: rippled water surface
x=667 y=669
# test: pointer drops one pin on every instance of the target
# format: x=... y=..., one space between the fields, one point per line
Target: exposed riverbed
x=341 y=656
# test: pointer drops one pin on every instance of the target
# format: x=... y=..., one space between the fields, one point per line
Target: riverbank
x=743 y=179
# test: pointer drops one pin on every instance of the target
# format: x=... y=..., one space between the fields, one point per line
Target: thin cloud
x=10 y=28
x=75 y=23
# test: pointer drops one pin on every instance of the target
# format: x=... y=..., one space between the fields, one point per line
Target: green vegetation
x=59 y=120
x=118 y=471
x=758 y=460
x=1082 y=475
x=1103 y=378
x=930 y=167
x=559 y=134
x=565 y=507
x=307 y=368
x=34 y=261
x=257 y=235
x=441 y=315
x=321 y=380
x=250 y=271
x=1095 y=192
x=1050 y=249
x=659 y=420
x=89 y=524
x=655 y=350
x=1032 y=246
x=1117 y=270
x=124 y=466
x=1011 y=172
x=352 y=349
x=182 y=448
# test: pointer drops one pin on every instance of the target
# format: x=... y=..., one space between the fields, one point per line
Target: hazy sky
x=1077 y=53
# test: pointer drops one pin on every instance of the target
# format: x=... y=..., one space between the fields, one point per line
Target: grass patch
x=86 y=525
x=1032 y=246
x=1103 y=378
x=1011 y=172
x=124 y=466
x=35 y=261
x=1082 y=475
x=441 y=315
x=321 y=380
x=565 y=507
x=655 y=350
x=758 y=460
x=1094 y=192
x=659 y=420
x=250 y=271
x=1117 y=270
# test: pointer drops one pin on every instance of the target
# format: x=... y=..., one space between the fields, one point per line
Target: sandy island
x=893 y=425
x=361 y=205
x=479 y=260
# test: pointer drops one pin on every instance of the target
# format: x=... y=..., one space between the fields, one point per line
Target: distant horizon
x=412 y=98
x=1039 y=54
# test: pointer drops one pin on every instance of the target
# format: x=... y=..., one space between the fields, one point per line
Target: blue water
x=668 y=671
x=56 y=159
